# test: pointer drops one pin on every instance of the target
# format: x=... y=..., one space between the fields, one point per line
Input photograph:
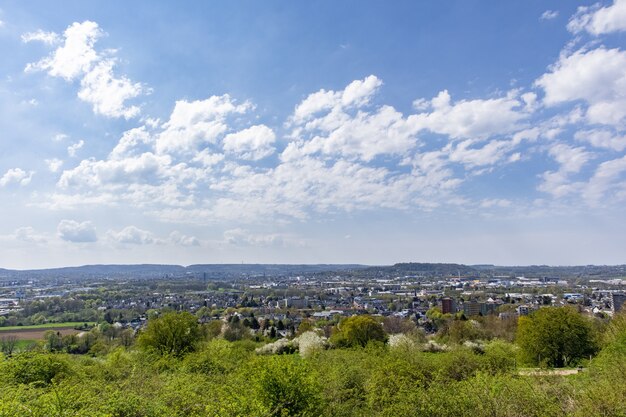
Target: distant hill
x=426 y=269
x=233 y=271
x=213 y=271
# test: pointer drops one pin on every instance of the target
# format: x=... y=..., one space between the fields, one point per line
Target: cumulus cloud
x=253 y=143
x=16 y=176
x=178 y=238
x=107 y=93
x=470 y=119
x=132 y=235
x=598 y=20
x=357 y=94
x=596 y=77
x=54 y=165
x=77 y=54
x=189 y=168
x=195 y=123
x=488 y=154
x=77 y=58
x=77 y=232
x=94 y=173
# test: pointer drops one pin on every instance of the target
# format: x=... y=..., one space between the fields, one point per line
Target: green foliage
x=171 y=334
x=286 y=386
x=500 y=357
x=32 y=367
x=227 y=379
x=555 y=337
x=358 y=331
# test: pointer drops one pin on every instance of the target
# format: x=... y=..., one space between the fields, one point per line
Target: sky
x=477 y=132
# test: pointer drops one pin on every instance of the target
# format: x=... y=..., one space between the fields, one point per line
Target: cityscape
x=302 y=209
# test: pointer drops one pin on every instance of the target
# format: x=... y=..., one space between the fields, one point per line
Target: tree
x=171 y=334
x=358 y=331
x=555 y=337
x=7 y=345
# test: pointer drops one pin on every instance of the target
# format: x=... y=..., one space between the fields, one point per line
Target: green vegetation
x=176 y=368
x=555 y=337
x=171 y=334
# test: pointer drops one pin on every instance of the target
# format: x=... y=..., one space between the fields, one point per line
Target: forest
x=557 y=363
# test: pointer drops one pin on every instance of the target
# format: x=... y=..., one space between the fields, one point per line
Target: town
x=275 y=304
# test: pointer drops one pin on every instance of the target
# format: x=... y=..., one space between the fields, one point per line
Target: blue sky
x=312 y=132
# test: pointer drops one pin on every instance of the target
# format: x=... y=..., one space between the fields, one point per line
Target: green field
x=68 y=324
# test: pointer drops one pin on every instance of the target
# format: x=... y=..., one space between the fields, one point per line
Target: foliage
x=222 y=378
x=32 y=367
x=171 y=334
x=555 y=337
x=358 y=331
x=286 y=387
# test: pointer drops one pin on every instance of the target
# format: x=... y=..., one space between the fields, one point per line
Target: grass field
x=64 y=325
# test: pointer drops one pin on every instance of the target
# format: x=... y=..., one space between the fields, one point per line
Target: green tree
x=358 y=331
x=555 y=337
x=171 y=334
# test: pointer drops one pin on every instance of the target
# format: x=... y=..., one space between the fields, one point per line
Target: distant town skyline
x=306 y=133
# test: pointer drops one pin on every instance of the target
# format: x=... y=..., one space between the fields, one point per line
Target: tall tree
x=359 y=331
x=171 y=334
x=555 y=337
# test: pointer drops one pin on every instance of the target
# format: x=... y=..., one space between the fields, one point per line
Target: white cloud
x=495 y=202
x=49 y=38
x=133 y=141
x=571 y=160
x=364 y=135
x=107 y=93
x=243 y=237
x=601 y=138
x=16 y=176
x=358 y=93
x=598 y=20
x=73 y=231
x=549 y=15
x=74 y=148
x=608 y=178
x=178 y=238
x=132 y=235
x=92 y=173
x=59 y=137
x=597 y=77
x=77 y=58
x=77 y=54
x=254 y=143
x=471 y=119
x=489 y=154
x=54 y=165
x=28 y=234
x=197 y=123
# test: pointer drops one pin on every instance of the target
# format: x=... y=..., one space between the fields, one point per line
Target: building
x=448 y=305
x=617 y=301
x=488 y=308
x=471 y=308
